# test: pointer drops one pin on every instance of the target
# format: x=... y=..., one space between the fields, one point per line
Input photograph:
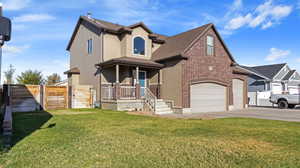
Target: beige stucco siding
x=108 y=75
x=171 y=88
x=128 y=43
x=112 y=46
x=84 y=61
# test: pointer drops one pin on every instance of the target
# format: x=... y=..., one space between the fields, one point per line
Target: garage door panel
x=208 y=97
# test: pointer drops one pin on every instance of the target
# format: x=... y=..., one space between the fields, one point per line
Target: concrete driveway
x=251 y=112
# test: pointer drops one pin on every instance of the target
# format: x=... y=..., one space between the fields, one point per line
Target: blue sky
x=256 y=32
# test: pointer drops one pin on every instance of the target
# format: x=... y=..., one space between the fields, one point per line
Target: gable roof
x=109 y=27
x=269 y=71
x=142 y=25
x=170 y=45
x=253 y=71
x=175 y=46
x=289 y=75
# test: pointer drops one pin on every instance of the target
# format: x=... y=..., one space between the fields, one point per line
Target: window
x=90 y=46
x=210 y=45
x=139 y=46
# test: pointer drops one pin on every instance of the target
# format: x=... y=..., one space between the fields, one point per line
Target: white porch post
x=117 y=86
x=137 y=84
x=117 y=73
x=137 y=75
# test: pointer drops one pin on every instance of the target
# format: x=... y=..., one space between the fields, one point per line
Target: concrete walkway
x=252 y=112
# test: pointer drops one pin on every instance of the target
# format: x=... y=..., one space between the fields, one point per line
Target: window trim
x=213 y=54
x=132 y=48
x=90 y=48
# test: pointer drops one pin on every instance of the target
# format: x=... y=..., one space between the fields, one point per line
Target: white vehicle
x=285 y=100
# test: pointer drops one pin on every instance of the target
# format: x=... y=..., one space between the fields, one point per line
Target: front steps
x=162 y=107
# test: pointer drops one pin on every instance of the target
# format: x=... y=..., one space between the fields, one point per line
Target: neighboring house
x=62 y=83
x=132 y=67
x=276 y=78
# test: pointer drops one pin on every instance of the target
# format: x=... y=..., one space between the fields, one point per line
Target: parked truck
x=285 y=100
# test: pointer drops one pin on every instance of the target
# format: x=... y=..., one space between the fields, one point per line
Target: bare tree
x=53 y=79
x=9 y=74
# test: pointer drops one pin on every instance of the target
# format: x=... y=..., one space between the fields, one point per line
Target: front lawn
x=96 y=138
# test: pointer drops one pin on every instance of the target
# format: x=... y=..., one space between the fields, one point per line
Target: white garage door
x=208 y=97
x=238 y=93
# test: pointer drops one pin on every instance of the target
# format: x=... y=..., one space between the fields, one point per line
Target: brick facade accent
x=201 y=67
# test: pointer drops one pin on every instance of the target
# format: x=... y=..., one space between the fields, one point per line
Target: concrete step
x=161 y=106
x=162 y=109
x=164 y=112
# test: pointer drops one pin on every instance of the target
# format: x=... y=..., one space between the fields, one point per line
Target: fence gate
x=55 y=97
x=83 y=96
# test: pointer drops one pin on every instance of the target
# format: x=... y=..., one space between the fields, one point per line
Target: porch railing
x=108 y=92
x=150 y=99
x=127 y=92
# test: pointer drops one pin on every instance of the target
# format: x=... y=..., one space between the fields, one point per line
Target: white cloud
x=15 y=4
x=13 y=50
x=131 y=11
x=264 y=16
x=33 y=18
x=267 y=25
x=276 y=54
x=238 y=22
x=237 y=5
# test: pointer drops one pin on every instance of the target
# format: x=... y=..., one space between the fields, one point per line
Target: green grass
x=116 y=139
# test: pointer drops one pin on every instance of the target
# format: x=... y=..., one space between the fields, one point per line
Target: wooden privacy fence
x=23 y=98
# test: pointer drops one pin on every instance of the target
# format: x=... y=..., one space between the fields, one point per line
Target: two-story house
x=275 y=78
x=132 y=67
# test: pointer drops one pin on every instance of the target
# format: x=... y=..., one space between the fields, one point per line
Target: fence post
x=41 y=97
x=70 y=97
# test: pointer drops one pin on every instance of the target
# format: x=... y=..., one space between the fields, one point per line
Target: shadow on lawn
x=25 y=124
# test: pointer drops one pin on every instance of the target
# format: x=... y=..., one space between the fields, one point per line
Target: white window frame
x=133 y=46
x=90 y=46
x=209 y=46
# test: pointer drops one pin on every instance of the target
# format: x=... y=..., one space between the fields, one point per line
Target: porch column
x=117 y=84
x=137 y=84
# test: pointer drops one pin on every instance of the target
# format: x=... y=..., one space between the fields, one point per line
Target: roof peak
x=199 y=27
x=268 y=65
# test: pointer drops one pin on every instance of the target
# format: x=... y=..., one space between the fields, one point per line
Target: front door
x=142 y=81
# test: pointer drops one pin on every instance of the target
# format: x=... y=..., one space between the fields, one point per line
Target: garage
x=238 y=93
x=208 y=97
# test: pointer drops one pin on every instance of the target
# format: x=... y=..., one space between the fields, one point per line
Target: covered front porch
x=129 y=79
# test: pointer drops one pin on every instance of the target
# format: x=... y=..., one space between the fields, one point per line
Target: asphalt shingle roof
x=269 y=70
x=175 y=45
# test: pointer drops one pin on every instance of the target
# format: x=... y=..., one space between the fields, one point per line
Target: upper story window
x=139 y=46
x=210 y=45
x=90 y=46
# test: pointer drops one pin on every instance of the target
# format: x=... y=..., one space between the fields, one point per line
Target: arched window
x=139 y=46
